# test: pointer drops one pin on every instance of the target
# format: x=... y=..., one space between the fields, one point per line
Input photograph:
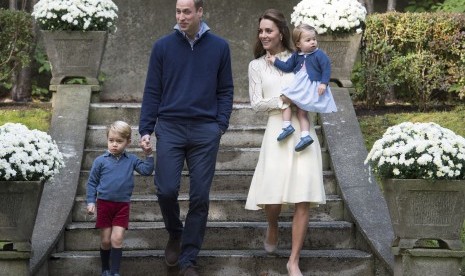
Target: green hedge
x=422 y=55
x=16 y=38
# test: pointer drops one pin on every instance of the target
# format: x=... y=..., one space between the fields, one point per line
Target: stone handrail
x=359 y=189
x=68 y=129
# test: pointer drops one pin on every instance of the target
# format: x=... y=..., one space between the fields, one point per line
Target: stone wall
x=141 y=22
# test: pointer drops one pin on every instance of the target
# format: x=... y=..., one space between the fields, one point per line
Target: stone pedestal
x=423 y=209
x=342 y=51
x=75 y=54
x=20 y=202
x=14 y=263
x=427 y=262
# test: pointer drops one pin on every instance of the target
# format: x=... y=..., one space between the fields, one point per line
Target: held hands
x=145 y=144
x=321 y=89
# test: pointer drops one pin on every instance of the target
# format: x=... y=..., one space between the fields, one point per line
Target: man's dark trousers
x=197 y=144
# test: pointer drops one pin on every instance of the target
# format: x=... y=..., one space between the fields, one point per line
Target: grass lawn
x=34 y=116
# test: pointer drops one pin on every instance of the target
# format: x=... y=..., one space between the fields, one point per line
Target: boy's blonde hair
x=297 y=33
x=122 y=128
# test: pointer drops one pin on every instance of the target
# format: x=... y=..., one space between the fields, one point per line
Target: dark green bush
x=16 y=38
x=421 y=53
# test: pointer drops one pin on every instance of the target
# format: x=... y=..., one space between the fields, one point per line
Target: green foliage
x=435 y=5
x=451 y=6
x=421 y=5
x=40 y=93
x=102 y=77
x=16 y=38
x=39 y=89
x=422 y=53
x=42 y=60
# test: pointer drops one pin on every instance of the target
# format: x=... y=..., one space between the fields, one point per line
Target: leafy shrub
x=420 y=52
x=16 y=38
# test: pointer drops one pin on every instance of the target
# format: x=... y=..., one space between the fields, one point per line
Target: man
x=187 y=102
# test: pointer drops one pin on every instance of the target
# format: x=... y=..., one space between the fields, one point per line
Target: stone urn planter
x=75 y=54
x=426 y=209
x=20 y=202
x=342 y=49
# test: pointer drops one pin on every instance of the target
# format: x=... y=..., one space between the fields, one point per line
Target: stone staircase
x=234 y=238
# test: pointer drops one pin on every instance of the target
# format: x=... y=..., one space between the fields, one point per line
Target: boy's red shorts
x=111 y=213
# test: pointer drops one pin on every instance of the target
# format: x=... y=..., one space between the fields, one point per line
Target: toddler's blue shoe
x=106 y=273
x=286 y=132
x=304 y=142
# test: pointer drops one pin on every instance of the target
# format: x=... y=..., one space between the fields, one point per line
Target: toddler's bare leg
x=304 y=122
x=287 y=114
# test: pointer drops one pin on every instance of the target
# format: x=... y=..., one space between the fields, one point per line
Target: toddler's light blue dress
x=304 y=93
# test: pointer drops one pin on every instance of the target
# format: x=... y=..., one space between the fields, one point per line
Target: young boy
x=111 y=182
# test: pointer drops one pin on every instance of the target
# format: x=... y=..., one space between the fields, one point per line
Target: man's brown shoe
x=172 y=251
x=189 y=271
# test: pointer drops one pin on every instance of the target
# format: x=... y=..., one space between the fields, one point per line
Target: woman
x=282 y=176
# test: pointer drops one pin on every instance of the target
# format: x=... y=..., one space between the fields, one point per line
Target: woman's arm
x=257 y=101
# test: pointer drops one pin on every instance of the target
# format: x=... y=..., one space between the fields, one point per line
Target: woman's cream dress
x=282 y=175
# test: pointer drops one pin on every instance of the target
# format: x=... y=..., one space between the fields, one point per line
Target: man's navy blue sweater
x=188 y=84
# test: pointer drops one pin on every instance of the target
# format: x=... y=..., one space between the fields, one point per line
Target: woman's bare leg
x=299 y=231
x=272 y=212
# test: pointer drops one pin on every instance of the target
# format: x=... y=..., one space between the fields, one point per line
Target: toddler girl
x=309 y=91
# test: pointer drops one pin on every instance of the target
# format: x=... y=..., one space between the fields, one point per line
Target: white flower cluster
x=27 y=154
x=76 y=15
x=330 y=16
x=418 y=151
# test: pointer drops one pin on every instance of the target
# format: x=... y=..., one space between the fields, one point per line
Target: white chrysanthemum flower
x=330 y=16
x=27 y=154
x=418 y=150
x=76 y=15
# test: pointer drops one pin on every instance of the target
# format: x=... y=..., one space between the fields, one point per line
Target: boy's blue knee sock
x=105 y=258
x=115 y=256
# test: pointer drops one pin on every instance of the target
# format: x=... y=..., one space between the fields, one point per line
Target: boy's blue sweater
x=188 y=84
x=113 y=179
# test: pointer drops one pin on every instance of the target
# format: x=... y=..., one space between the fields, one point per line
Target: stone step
x=106 y=113
x=222 y=208
x=219 y=236
x=236 y=136
x=341 y=262
x=223 y=182
x=229 y=159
